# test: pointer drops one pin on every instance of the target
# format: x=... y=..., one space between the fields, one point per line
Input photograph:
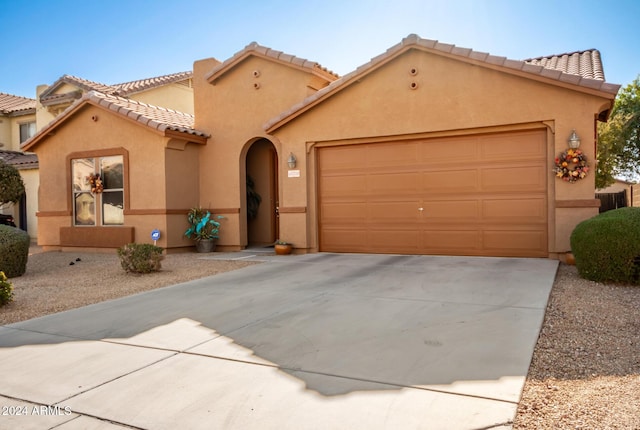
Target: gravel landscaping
x=585 y=372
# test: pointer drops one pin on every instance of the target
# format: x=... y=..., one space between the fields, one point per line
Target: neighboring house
x=427 y=149
x=26 y=116
x=17 y=124
x=173 y=91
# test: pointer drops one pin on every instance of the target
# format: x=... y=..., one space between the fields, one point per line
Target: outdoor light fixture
x=574 y=140
x=291 y=161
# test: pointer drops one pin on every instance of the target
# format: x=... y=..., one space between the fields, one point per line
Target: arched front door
x=262 y=193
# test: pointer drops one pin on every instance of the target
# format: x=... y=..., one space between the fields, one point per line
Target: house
x=427 y=149
x=173 y=91
x=17 y=124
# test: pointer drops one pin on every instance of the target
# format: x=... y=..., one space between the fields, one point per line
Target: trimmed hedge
x=140 y=257
x=14 y=251
x=607 y=246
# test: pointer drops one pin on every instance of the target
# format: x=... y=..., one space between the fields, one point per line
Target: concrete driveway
x=317 y=341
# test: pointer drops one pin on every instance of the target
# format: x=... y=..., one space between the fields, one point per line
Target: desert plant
x=14 y=251
x=607 y=246
x=202 y=225
x=11 y=184
x=140 y=257
x=6 y=290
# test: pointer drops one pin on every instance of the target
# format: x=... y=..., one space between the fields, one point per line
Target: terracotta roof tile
x=153 y=116
x=158 y=118
x=145 y=84
x=123 y=89
x=586 y=64
x=583 y=69
x=255 y=49
x=10 y=104
x=19 y=160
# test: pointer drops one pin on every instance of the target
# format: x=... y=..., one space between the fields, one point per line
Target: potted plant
x=203 y=228
x=282 y=247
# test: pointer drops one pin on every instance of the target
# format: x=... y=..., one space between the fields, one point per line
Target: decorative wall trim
x=586 y=203
x=292 y=210
x=44 y=214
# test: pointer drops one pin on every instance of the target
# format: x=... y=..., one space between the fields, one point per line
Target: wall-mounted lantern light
x=291 y=161
x=574 y=140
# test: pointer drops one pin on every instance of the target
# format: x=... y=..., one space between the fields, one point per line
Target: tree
x=619 y=139
x=11 y=185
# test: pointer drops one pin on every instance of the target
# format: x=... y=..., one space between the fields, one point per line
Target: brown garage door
x=471 y=195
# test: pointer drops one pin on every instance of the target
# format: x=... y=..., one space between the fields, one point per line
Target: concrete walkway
x=317 y=341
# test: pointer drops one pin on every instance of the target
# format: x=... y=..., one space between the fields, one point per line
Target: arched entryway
x=262 y=193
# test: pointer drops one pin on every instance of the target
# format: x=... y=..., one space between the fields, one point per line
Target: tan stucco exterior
x=414 y=93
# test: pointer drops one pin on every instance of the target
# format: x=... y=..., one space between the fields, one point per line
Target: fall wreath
x=571 y=165
x=95 y=182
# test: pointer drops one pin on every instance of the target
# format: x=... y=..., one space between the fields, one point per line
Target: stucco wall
x=233 y=110
x=175 y=96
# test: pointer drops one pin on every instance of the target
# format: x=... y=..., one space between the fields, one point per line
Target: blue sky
x=113 y=41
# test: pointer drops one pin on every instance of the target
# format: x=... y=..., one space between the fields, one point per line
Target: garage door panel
x=450 y=151
x=398 y=211
x=480 y=195
x=343 y=185
x=394 y=240
x=515 y=210
x=348 y=211
x=514 y=147
x=346 y=239
x=505 y=242
x=391 y=154
x=457 y=241
x=514 y=178
x=394 y=183
x=342 y=157
x=452 y=181
x=461 y=211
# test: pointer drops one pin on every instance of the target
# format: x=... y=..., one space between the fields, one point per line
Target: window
x=100 y=203
x=27 y=130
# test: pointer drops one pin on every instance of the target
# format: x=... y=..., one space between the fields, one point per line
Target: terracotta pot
x=283 y=249
x=570 y=259
x=205 y=245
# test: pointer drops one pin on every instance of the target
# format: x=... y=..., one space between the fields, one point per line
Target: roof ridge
x=255 y=47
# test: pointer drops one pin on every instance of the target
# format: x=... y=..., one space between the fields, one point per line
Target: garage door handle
x=420 y=209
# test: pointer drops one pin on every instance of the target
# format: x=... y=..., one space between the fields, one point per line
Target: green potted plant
x=203 y=228
x=282 y=248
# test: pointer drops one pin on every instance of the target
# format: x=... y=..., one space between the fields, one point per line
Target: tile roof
x=123 y=89
x=158 y=118
x=145 y=84
x=19 y=160
x=10 y=104
x=155 y=117
x=255 y=49
x=569 y=75
x=586 y=64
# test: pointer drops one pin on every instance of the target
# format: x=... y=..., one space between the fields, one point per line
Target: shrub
x=140 y=257
x=607 y=247
x=14 y=251
x=6 y=290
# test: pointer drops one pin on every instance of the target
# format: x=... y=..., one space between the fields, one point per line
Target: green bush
x=14 y=251
x=140 y=257
x=607 y=247
x=6 y=290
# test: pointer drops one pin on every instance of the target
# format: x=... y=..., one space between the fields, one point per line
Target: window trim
x=27 y=123
x=99 y=153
